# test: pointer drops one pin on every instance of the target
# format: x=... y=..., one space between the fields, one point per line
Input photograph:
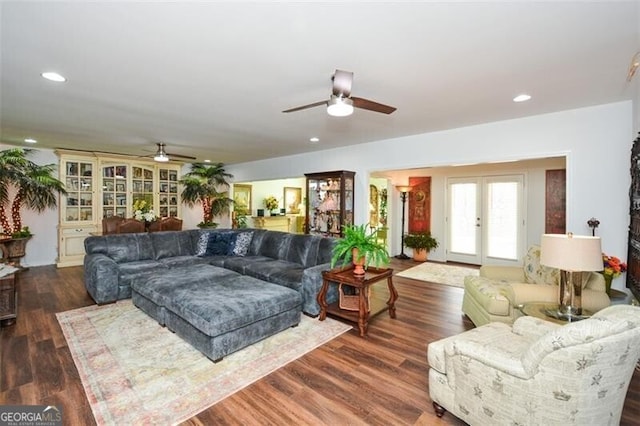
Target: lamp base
x=402 y=256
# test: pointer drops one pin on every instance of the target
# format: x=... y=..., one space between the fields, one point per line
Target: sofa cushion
x=265 y=269
x=534 y=272
x=240 y=263
x=299 y=248
x=273 y=244
x=129 y=247
x=171 y=244
x=179 y=261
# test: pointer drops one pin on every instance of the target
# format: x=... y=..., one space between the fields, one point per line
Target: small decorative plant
x=363 y=239
x=612 y=266
x=421 y=241
x=23 y=233
x=271 y=203
x=142 y=211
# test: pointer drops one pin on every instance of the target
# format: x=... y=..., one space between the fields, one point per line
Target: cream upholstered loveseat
x=497 y=292
x=537 y=372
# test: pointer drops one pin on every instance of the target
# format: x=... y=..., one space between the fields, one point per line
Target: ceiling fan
x=341 y=103
x=162 y=156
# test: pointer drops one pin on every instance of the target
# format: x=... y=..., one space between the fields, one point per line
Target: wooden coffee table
x=367 y=306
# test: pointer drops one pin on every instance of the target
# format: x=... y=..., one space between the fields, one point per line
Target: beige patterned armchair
x=496 y=294
x=536 y=372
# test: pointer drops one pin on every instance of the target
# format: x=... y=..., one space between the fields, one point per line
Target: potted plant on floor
x=421 y=243
x=360 y=246
x=202 y=185
x=35 y=188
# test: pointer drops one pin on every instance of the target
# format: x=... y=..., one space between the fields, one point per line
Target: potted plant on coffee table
x=421 y=243
x=360 y=246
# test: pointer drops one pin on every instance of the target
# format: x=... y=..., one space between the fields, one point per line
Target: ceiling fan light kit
x=161 y=155
x=339 y=106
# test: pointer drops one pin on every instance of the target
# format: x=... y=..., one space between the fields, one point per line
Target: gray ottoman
x=152 y=292
x=218 y=313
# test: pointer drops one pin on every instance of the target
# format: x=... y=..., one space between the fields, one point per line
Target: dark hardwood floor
x=378 y=380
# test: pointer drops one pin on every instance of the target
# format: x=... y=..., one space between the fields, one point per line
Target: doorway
x=485 y=218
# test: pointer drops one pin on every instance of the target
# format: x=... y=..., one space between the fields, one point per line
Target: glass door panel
x=78 y=203
x=503 y=218
x=114 y=191
x=464 y=221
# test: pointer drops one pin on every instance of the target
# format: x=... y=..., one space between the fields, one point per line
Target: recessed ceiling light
x=30 y=140
x=522 y=98
x=207 y=161
x=314 y=139
x=53 y=76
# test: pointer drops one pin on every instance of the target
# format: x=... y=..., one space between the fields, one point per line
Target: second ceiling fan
x=341 y=103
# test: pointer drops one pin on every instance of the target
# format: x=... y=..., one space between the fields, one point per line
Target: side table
x=542 y=310
x=367 y=306
x=8 y=299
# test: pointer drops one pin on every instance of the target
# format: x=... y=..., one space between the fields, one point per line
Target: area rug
x=136 y=372
x=439 y=273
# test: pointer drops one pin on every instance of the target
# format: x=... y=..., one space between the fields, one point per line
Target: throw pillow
x=243 y=241
x=203 y=241
x=219 y=243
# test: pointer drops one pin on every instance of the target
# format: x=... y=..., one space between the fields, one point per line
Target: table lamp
x=572 y=254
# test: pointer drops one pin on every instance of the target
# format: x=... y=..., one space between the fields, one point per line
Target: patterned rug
x=439 y=273
x=136 y=372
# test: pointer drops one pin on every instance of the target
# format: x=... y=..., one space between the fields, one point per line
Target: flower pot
x=359 y=264
x=420 y=255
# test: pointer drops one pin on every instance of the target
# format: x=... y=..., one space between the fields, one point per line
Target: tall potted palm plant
x=35 y=188
x=203 y=185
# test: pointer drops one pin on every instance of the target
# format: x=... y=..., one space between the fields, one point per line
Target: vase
x=607 y=282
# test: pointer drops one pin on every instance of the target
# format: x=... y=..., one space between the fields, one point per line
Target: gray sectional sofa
x=220 y=290
x=114 y=262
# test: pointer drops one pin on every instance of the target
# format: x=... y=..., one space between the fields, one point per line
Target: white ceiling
x=210 y=79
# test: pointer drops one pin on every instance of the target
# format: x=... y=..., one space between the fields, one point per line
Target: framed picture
x=292 y=199
x=242 y=198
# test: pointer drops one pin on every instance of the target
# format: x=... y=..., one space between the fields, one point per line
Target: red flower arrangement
x=613 y=266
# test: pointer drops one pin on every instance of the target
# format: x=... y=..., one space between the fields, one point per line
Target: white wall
x=595 y=140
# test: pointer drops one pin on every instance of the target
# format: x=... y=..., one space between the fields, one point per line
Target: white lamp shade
x=571 y=252
x=339 y=106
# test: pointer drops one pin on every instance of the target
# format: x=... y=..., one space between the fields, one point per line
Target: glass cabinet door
x=329 y=202
x=168 y=188
x=142 y=181
x=115 y=200
x=78 y=179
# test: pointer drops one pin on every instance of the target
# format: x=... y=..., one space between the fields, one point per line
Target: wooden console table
x=8 y=299
x=367 y=306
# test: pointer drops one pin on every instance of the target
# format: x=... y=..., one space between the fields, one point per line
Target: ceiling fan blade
x=315 y=104
x=342 y=81
x=371 y=105
x=186 y=157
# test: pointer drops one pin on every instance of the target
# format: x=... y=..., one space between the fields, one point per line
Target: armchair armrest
x=493 y=345
x=533 y=328
x=595 y=281
x=503 y=273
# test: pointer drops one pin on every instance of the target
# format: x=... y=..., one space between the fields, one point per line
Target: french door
x=485 y=220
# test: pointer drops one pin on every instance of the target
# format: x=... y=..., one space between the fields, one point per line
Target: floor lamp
x=572 y=254
x=403 y=197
